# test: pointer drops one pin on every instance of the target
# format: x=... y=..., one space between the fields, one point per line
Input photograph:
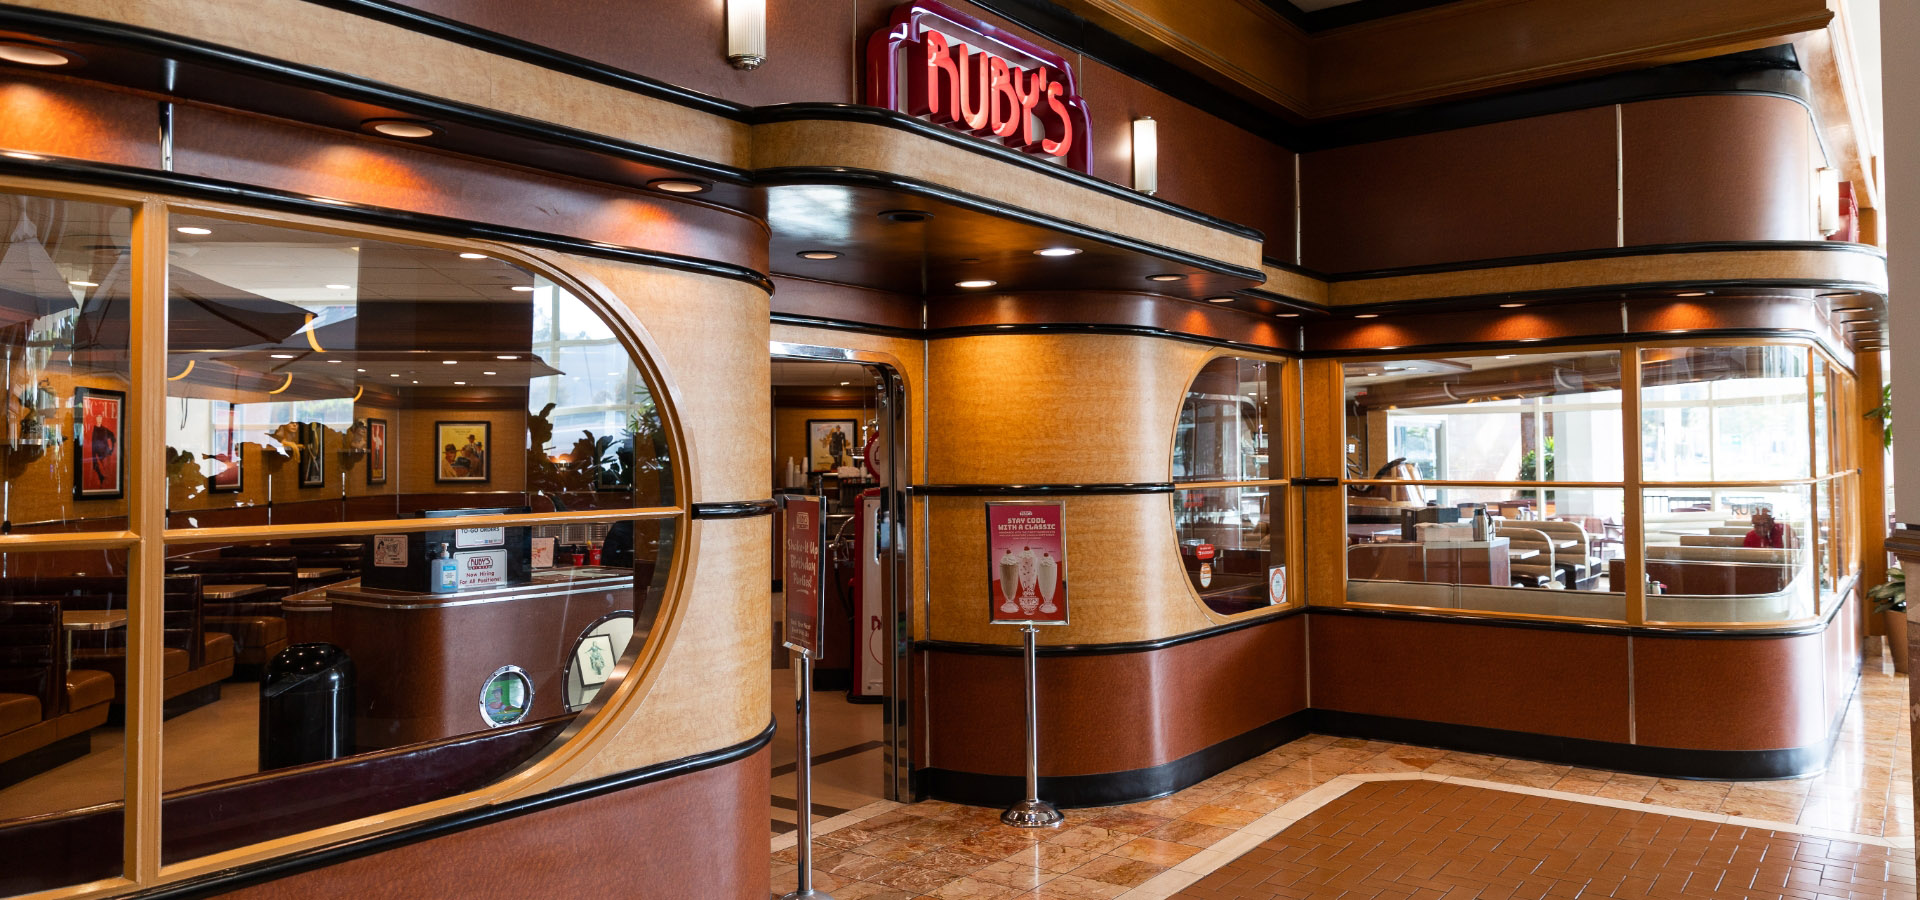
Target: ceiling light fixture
x=819 y=254
x=679 y=185
x=281 y=355
x=489 y=373
x=471 y=255
x=1057 y=251
x=1504 y=356
x=975 y=283
x=283 y=387
x=334 y=361
x=193 y=229
x=339 y=287
x=409 y=129
x=523 y=288
x=1146 y=155
x=29 y=54
x=84 y=283
x=1220 y=299
x=1169 y=276
x=449 y=362
x=506 y=356
x=460 y=382
x=1368 y=316
x=1286 y=315
x=845 y=383
x=1511 y=305
x=359 y=370
x=1692 y=294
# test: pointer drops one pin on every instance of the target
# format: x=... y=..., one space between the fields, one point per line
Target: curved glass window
x=419 y=510
x=1232 y=531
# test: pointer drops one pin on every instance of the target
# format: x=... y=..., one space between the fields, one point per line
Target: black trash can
x=306 y=706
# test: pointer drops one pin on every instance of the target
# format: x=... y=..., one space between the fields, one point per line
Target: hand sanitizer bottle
x=446 y=575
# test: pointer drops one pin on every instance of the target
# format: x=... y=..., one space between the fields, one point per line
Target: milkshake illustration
x=1029 y=576
x=1009 y=580
x=1049 y=582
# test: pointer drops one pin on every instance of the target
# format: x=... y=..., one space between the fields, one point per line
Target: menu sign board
x=939 y=64
x=801 y=577
x=1026 y=564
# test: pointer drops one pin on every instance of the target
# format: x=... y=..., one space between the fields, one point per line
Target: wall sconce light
x=1146 y=155
x=1829 y=201
x=746 y=33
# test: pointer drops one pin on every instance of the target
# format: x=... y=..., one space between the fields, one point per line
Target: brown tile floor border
x=1429 y=839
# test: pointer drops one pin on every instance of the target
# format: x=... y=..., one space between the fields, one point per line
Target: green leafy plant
x=1884 y=412
x=1891 y=595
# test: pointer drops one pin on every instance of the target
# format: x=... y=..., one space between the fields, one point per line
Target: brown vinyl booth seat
x=42 y=701
x=1539 y=571
x=193 y=661
x=258 y=629
x=1573 y=560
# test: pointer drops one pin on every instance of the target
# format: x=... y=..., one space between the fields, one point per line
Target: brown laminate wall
x=1517 y=679
x=1114 y=712
x=1105 y=308
x=1717 y=168
x=699 y=835
x=1705 y=694
x=1539 y=185
x=58 y=117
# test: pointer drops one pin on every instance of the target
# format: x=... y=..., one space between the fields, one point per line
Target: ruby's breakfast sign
x=952 y=69
x=1026 y=564
x=800 y=578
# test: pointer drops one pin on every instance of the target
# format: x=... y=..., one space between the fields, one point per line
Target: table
x=73 y=621
x=318 y=572
x=230 y=591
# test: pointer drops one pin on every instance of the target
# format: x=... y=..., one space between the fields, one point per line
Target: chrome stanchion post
x=1032 y=812
x=803 y=776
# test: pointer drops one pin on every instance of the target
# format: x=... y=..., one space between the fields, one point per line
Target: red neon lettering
x=1027 y=136
x=973 y=86
x=1060 y=128
x=953 y=84
x=924 y=87
x=1003 y=118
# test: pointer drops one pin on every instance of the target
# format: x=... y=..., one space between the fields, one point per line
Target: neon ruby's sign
x=955 y=70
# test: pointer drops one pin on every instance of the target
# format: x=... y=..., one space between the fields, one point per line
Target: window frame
x=147 y=536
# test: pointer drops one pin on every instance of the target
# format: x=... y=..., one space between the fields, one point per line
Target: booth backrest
x=30 y=653
x=1712 y=540
x=184 y=616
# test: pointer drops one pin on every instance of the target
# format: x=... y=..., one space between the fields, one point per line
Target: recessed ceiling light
x=411 y=129
x=819 y=254
x=84 y=283
x=473 y=256
x=1169 y=276
x=975 y=283
x=16 y=154
x=281 y=355
x=845 y=383
x=334 y=361
x=393 y=375
x=506 y=356
x=359 y=370
x=459 y=382
x=680 y=185
x=489 y=373
x=449 y=362
x=1504 y=356
x=193 y=229
x=1368 y=316
x=339 y=287
x=1286 y=315
x=1057 y=251
x=1528 y=340
x=36 y=54
x=1219 y=299
x=1692 y=294
x=524 y=288
x=1511 y=305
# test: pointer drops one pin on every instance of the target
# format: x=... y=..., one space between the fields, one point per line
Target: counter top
x=545 y=583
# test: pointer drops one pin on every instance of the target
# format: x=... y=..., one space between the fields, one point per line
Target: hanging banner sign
x=939 y=64
x=1026 y=564
x=801 y=579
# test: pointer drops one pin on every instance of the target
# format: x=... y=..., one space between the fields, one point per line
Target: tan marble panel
x=1055 y=409
x=1295 y=285
x=1123 y=572
x=1817 y=265
x=359 y=46
x=881 y=149
x=711 y=337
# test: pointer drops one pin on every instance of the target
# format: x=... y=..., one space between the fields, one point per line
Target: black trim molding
x=226 y=880
x=1038 y=490
x=1111 y=788
x=745 y=509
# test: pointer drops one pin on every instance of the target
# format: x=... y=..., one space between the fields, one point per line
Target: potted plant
x=1890 y=601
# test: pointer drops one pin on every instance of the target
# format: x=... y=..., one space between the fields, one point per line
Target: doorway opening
x=837 y=424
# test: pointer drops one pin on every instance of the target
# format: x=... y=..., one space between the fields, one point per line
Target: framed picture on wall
x=313 y=454
x=461 y=450
x=226 y=465
x=99 y=420
x=376 y=451
x=830 y=443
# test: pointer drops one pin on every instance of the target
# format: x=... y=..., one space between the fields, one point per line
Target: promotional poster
x=1026 y=564
x=800 y=579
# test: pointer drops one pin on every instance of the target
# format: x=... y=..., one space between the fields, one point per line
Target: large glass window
x=1232 y=532
x=1500 y=482
x=417 y=498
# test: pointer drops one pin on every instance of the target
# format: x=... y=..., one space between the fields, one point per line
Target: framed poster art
x=99 y=420
x=313 y=454
x=226 y=465
x=376 y=451
x=1026 y=564
x=830 y=443
x=461 y=451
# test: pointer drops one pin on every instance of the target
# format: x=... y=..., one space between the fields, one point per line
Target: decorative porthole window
x=1231 y=499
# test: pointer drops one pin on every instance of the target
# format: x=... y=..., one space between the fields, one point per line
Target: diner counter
x=423 y=660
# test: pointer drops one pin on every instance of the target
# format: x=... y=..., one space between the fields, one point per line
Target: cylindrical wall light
x=1829 y=185
x=1146 y=155
x=746 y=33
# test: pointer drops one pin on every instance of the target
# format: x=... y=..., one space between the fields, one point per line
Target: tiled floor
x=1428 y=840
x=1158 y=848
